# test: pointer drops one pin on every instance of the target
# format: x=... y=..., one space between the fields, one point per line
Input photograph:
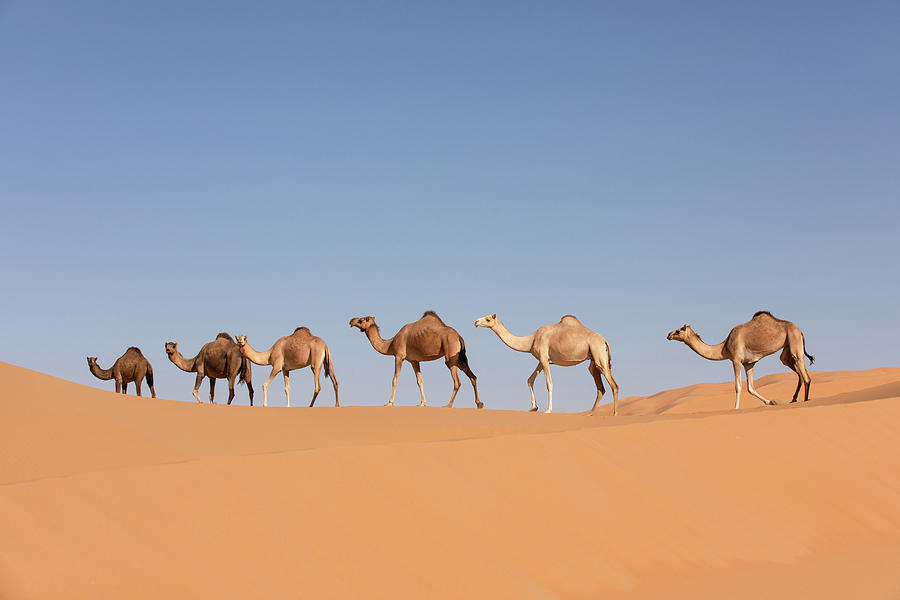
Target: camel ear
x=494 y=316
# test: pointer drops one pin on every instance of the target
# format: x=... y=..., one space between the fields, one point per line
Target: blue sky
x=169 y=170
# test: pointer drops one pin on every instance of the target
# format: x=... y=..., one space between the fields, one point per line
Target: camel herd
x=566 y=343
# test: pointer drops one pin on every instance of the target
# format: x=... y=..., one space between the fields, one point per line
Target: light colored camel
x=426 y=339
x=747 y=343
x=218 y=359
x=295 y=351
x=566 y=343
x=131 y=366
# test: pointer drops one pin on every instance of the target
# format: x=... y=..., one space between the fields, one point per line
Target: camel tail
x=811 y=358
x=609 y=355
x=244 y=374
x=463 y=359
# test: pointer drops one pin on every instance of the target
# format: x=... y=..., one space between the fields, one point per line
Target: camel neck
x=185 y=364
x=101 y=373
x=708 y=352
x=381 y=345
x=259 y=358
x=522 y=344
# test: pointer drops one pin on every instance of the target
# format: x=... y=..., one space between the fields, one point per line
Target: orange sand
x=105 y=496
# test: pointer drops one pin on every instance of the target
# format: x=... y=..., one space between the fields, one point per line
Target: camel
x=426 y=339
x=131 y=366
x=747 y=343
x=218 y=359
x=566 y=343
x=295 y=351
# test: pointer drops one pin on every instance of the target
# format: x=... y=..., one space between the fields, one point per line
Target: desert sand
x=111 y=496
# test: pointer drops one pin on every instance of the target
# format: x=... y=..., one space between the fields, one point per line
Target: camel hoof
x=548 y=411
x=772 y=403
x=533 y=409
x=480 y=405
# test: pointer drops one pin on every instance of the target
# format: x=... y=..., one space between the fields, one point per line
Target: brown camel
x=296 y=351
x=747 y=343
x=131 y=366
x=566 y=343
x=426 y=339
x=218 y=359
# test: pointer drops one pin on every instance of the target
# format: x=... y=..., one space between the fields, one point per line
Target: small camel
x=131 y=366
x=218 y=359
x=747 y=343
x=295 y=351
x=426 y=339
x=566 y=343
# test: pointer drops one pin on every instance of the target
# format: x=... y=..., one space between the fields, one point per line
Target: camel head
x=362 y=323
x=171 y=348
x=681 y=334
x=487 y=321
x=92 y=360
x=241 y=340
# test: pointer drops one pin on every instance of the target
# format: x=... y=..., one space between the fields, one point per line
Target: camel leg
x=454 y=374
x=266 y=385
x=231 y=388
x=598 y=381
x=197 y=383
x=137 y=386
x=788 y=361
x=334 y=383
x=418 y=371
x=398 y=364
x=546 y=367
x=287 y=386
x=149 y=382
x=737 y=384
x=468 y=371
x=749 y=369
x=317 y=386
x=606 y=369
x=531 y=379
x=250 y=390
x=212 y=390
x=800 y=362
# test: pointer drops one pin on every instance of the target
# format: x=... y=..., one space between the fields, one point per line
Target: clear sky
x=169 y=170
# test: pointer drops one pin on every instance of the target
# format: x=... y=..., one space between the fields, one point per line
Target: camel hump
x=134 y=349
x=431 y=313
x=223 y=335
x=763 y=312
x=570 y=319
x=303 y=329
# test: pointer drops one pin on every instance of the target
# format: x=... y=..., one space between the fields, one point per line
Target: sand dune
x=103 y=495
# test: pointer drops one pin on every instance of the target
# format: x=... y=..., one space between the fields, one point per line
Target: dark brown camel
x=131 y=366
x=219 y=359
